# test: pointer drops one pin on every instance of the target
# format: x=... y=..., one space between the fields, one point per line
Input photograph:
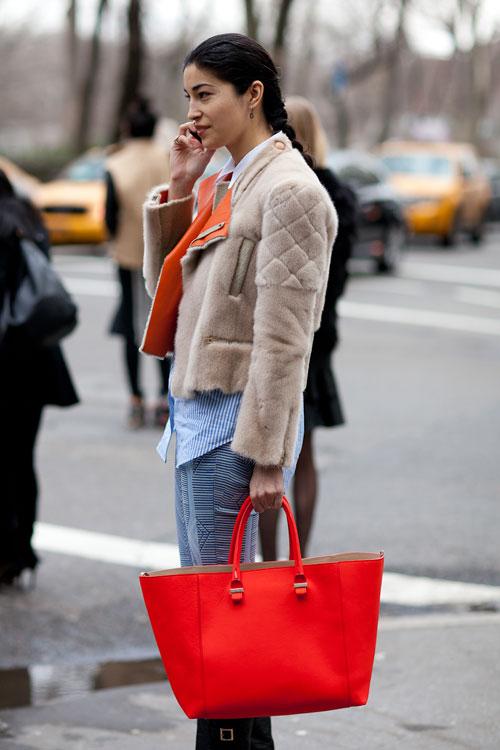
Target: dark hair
x=19 y=217
x=140 y=120
x=6 y=189
x=239 y=60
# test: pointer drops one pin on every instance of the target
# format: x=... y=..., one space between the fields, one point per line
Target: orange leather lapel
x=206 y=190
x=160 y=330
x=217 y=225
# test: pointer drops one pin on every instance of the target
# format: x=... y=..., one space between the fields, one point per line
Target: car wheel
x=393 y=244
x=450 y=238
x=477 y=233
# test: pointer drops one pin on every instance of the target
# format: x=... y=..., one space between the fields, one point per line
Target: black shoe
x=262 y=738
x=18 y=575
x=234 y=734
x=224 y=734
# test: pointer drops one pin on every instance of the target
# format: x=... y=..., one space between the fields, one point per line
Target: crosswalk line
x=348 y=309
x=397 y=588
x=420 y=318
x=91 y=287
x=450 y=274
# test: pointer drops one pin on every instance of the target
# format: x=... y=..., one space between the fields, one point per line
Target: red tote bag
x=267 y=638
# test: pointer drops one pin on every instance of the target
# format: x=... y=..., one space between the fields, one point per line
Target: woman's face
x=220 y=114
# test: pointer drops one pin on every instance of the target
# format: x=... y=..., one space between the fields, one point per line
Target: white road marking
x=358 y=310
x=419 y=591
x=434 y=620
x=107 y=548
x=451 y=274
x=396 y=285
x=92 y=266
x=91 y=287
x=481 y=297
x=396 y=589
x=422 y=318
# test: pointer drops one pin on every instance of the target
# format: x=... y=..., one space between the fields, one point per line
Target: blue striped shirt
x=204 y=423
x=200 y=424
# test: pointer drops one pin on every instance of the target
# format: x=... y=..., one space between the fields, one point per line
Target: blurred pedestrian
x=253 y=285
x=322 y=404
x=132 y=170
x=30 y=379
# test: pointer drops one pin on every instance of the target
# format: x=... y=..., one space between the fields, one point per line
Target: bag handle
x=236 y=589
x=237 y=522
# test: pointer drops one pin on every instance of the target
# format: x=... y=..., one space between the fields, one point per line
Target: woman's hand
x=188 y=160
x=267 y=488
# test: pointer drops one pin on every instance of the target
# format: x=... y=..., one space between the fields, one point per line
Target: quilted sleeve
x=164 y=224
x=293 y=256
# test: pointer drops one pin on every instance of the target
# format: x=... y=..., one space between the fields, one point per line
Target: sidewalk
x=435 y=685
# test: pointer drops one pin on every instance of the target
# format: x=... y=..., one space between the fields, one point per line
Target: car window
x=420 y=164
x=357 y=176
x=84 y=170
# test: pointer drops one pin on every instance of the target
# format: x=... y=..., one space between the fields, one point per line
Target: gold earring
x=252 y=114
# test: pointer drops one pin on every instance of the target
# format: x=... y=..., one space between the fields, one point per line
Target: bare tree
x=479 y=70
x=72 y=67
x=468 y=91
x=252 y=19
x=88 y=86
x=132 y=77
x=393 y=74
x=279 y=43
x=281 y=21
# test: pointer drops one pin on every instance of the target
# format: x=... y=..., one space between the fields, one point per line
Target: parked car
x=443 y=187
x=73 y=205
x=492 y=170
x=382 y=229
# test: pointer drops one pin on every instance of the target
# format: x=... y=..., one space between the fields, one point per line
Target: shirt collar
x=245 y=162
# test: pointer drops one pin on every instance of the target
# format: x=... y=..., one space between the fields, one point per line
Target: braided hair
x=240 y=60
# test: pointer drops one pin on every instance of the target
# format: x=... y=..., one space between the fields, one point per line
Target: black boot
x=234 y=734
x=224 y=734
x=262 y=738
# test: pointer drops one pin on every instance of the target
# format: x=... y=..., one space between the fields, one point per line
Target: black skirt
x=322 y=405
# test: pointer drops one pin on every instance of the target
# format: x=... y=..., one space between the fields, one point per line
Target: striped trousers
x=209 y=492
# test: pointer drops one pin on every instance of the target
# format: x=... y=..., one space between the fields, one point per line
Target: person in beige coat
x=253 y=288
x=131 y=171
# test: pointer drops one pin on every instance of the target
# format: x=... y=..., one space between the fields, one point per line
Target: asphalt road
x=414 y=472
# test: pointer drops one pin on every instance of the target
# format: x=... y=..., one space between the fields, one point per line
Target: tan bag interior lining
x=341 y=557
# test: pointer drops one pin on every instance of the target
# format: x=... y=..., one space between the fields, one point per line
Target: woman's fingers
x=262 y=503
x=185 y=138
x=266 y=488
x=187 y=141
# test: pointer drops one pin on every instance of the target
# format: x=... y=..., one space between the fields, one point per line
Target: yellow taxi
x=73 y=205
x=441 y=185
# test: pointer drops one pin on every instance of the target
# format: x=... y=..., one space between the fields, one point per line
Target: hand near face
x=188 y=156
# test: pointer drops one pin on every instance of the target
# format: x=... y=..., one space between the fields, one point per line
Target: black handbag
x=41 y=311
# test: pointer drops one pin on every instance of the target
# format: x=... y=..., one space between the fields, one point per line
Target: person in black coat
x=29 y=380
x=322 y=405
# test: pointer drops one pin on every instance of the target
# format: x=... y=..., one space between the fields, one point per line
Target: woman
x=253 y=287
x=322 y=406
x=29 y=380
x=132 y=171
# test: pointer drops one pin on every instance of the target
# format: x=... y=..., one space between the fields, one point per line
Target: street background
x=414 y=472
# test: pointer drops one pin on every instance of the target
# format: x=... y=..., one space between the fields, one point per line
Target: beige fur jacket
x=251 y=301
